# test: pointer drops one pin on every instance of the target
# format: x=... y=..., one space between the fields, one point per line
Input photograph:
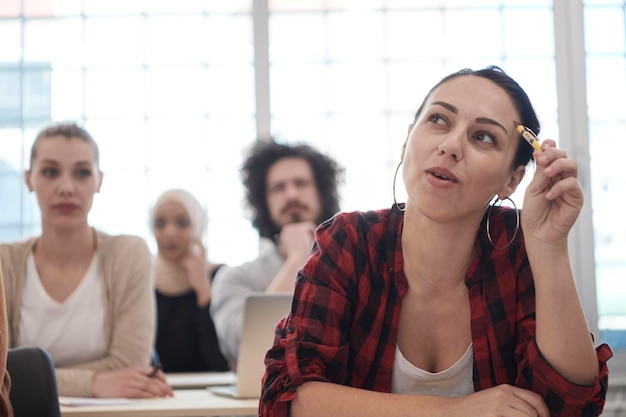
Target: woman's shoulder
x=501 y=228
x=16 y=248
x=128 y=244
x=360 y=217
x=358 y=223
x=502 y=220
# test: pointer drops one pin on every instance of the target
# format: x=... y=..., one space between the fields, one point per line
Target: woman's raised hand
x=195 y=263
x=553 y=198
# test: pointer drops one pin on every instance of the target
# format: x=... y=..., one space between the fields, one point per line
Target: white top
x=71 y=331
x=456 y=381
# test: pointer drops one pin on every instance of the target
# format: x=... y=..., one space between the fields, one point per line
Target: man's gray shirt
x=230 y=287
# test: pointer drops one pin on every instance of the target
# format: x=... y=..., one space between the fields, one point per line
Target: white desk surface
x=185 y=403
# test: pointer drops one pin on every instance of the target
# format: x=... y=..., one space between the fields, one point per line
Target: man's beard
x=296 y=218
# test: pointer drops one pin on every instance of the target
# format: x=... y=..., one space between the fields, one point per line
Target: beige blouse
x=125 y=265
x=5 y=379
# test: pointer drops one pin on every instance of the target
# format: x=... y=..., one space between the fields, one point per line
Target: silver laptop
x=262 y=313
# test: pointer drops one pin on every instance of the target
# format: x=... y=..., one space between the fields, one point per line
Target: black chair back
x=33 y=383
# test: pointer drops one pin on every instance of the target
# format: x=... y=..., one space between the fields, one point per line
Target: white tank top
x=456 y=381
x=71 y=331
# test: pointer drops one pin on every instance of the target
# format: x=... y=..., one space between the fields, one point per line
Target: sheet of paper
x=87 y=401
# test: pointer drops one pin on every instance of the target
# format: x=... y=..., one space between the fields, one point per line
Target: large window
x=349 y=75
x=166 y=88
x=605 y=46
x=174 y=92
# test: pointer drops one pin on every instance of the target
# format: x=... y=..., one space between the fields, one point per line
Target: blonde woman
x=82 y=295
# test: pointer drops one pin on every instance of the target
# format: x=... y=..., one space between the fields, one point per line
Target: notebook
x=262 y=313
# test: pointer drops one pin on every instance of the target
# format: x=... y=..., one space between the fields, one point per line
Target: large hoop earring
x=395 y=175
x=516 y=223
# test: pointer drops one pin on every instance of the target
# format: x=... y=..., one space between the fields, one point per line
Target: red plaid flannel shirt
x=343 y=325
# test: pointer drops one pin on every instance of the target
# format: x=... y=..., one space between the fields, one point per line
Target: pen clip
x=529 y=130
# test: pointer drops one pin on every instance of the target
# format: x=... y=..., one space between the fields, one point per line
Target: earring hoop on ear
x=516 y=223
x=395 y=175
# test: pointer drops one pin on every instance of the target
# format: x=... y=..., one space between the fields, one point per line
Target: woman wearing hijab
x=186 y=339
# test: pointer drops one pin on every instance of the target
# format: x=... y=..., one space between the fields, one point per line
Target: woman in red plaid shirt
x=447 y=305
